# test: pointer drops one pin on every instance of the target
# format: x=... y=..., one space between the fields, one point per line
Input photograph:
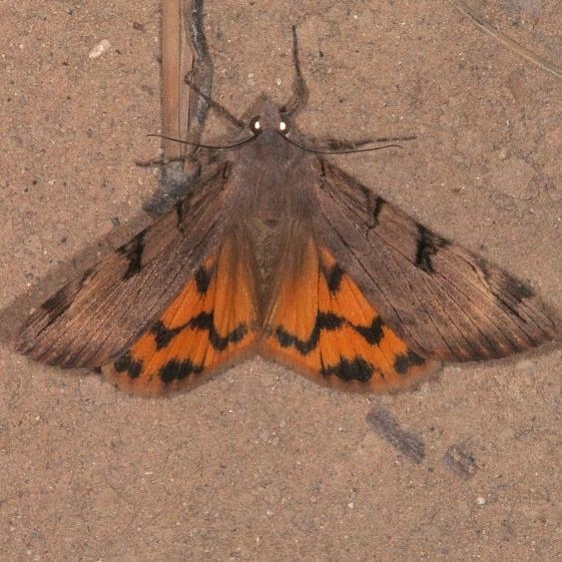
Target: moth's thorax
x=275 y=180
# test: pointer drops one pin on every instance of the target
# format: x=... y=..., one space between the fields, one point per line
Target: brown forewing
x=445 y=301
x=92 y=319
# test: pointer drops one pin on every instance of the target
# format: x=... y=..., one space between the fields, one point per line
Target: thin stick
x=174 y=104
x=507 y=41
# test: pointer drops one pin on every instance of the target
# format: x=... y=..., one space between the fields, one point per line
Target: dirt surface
x=260 y=463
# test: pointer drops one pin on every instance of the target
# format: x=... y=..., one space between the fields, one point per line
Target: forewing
x=445 y=301
x=92 y=319
x=321 y=324
x=208 y=326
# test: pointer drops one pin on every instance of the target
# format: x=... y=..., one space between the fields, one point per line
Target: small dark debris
x=461 y=462
x=407 y=442
x=174 y=185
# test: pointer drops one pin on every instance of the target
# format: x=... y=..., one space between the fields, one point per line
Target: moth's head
x=267 y=116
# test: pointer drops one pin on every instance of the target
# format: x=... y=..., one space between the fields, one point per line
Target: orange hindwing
x=207 y=326
x=322 y=325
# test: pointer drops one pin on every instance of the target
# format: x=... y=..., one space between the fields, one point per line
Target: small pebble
x=103 y=46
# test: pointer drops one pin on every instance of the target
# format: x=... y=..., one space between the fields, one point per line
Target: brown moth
x=278 y=252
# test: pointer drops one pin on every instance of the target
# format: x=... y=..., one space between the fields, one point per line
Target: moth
x=277 y=252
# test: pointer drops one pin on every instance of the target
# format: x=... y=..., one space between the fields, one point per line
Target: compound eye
x=255 y=125
x=283 y=127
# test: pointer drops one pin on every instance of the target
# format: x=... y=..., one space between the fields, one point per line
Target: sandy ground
x=261 y=464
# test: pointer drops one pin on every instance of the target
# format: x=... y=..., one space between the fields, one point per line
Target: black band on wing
x=328 y=321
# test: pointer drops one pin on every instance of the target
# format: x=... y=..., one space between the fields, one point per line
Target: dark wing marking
x=91 y=320
x=445 y=301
